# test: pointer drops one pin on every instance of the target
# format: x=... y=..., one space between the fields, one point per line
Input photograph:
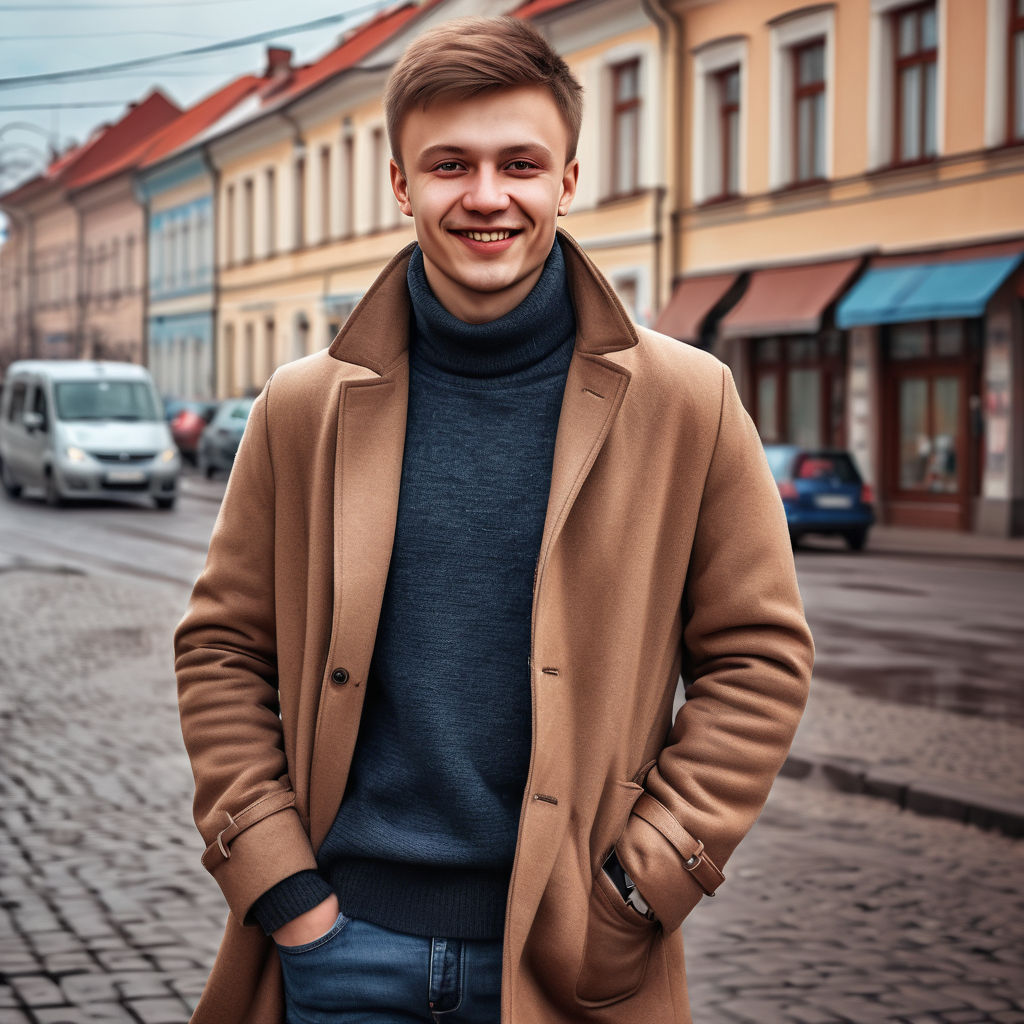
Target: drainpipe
x=670 y=32
x=214 y=172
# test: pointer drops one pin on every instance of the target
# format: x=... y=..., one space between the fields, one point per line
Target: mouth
x=494 y=235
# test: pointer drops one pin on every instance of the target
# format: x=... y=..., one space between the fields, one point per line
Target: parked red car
x=187 y=425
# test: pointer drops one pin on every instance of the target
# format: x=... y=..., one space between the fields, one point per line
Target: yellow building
x=850 y=233
x=305 y=214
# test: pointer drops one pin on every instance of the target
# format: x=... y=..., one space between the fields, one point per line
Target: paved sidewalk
x=963 y=767
x=911 y=541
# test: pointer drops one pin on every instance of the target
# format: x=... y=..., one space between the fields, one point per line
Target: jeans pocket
x=308 y=947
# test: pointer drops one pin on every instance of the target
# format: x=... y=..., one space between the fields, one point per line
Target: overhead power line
x=196 y=51
x=146 y=4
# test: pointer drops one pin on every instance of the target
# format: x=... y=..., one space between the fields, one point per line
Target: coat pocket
x=618 y=940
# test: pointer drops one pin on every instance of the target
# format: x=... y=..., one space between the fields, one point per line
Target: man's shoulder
x=672 y=371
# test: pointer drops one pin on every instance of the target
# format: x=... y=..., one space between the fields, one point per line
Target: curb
x=943 y=798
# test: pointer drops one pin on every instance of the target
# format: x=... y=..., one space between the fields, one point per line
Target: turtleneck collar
x=521 y=338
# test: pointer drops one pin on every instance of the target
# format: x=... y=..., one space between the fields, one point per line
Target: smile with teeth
x=488 y=236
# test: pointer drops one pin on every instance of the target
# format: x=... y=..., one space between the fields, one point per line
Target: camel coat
x=665 y=552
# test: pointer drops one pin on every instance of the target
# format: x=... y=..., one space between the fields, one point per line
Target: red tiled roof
x=198 y=118
x=534 y=7
x=108 y=147
x=363 y=40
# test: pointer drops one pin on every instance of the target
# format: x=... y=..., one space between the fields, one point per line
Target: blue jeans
x=359 y=973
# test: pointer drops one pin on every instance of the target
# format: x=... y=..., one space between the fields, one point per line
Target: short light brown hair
x=468 y=56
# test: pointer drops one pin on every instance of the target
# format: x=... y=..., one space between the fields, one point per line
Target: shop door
x=929 y=465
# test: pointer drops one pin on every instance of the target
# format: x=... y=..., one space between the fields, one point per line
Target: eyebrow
x=534 y=148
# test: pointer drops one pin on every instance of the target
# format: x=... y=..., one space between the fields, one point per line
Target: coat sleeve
x=226 y=665
x=747 y=658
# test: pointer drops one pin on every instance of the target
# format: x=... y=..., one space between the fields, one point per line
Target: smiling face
x=485 y=180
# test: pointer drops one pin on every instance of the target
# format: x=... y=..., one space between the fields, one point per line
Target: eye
x=448 y=166
x=522 y=165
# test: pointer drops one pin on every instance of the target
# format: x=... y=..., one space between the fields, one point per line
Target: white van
x=82 y=429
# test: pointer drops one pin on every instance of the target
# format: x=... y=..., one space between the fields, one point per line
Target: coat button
x=340 y=676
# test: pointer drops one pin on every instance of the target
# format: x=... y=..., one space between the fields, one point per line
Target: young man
x=427 y=676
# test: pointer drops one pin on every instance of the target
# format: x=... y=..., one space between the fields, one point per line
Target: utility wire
x=120 y=7
x=197 y=51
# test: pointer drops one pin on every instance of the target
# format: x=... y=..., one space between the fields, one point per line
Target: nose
x=484 y=192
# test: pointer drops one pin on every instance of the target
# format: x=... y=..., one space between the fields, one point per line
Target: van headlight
x=76 y=454
x=168 y=454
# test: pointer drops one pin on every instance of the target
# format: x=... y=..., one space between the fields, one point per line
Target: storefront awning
x=692 y=300
x=945 y=290
x=787 y=300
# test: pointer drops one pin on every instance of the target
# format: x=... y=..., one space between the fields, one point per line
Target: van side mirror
x=33 y=421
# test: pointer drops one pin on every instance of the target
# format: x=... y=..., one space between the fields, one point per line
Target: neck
x=509 y=343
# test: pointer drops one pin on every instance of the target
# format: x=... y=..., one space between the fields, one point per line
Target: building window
x=300 y=202
x=1016 y=76
x=348 y=185
x=185 y=245
x=378 y=176
x=229 y=224
x=325 y=193
x=271 y=181
x=115 y=268
x=809 y=111
x=129 y=263
x=727 y=93
x=248 y=216
x=625 y=162
x=915 y=80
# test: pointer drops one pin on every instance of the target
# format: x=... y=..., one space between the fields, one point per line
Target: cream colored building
x=305 y=214
x=850 y=236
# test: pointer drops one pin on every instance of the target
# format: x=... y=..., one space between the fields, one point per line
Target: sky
x=46 y=36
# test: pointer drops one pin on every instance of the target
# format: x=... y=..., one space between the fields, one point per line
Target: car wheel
x=166 y=504
x=856 y=539
x=11 y=486
x=207 y=469
x=794 y=539
x=53 y=496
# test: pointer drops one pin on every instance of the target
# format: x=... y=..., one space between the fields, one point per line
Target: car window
x=241 y=411
x=105 y=400
x=778 y=461
x=39 y=406
x=17 y=408
x=826 y=467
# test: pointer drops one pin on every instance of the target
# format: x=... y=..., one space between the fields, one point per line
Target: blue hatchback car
x=822 y=492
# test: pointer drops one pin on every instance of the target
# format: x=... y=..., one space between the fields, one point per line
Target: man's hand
x=310 y=925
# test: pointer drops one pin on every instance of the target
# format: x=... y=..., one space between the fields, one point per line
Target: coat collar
x=376 y=334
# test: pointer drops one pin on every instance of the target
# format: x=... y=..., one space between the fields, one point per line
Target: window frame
x=800 y=92
x=724 y=110
x=1014 y=89
x=919 y=58
x=618 y=109
x=709 y=59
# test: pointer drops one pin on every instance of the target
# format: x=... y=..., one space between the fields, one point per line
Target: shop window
x=915 y=79
x=799 y=390
x=625 y=133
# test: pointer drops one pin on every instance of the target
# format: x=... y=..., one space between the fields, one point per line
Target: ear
x=570 y=178
x=400 y=186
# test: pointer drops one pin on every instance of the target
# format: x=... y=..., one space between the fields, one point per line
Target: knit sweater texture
x=425 y=837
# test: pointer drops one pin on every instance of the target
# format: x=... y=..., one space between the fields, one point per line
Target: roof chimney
x=279 y=63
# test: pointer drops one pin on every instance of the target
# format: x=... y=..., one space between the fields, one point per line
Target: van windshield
x=105 y=400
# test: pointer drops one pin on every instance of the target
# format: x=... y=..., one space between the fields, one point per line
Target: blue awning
x=925 y=291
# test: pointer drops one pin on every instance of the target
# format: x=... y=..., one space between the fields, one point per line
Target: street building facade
x=77 y=235
x=175 y=183
x=851 y=235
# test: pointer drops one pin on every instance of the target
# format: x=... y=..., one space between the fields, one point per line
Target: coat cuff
x=288 y=899
x=264 y=853
x=670 y=867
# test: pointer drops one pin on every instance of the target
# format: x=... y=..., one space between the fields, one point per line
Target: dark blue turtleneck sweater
x=425 y=837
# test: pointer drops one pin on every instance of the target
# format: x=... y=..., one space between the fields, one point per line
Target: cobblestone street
x=838 y=907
